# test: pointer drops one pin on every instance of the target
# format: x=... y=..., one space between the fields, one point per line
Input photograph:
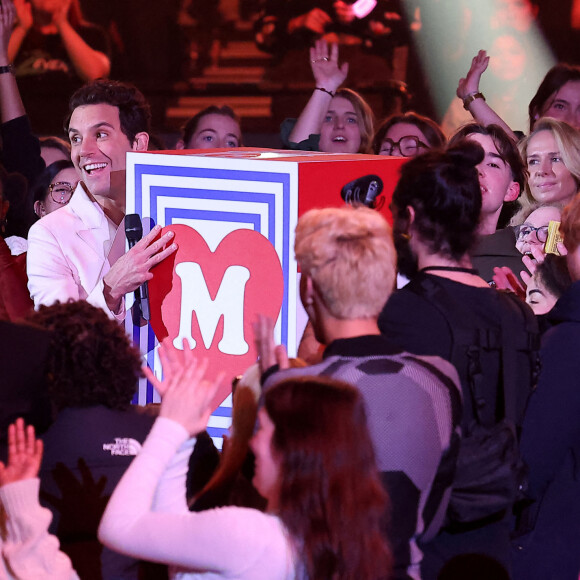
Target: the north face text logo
x=123 y=446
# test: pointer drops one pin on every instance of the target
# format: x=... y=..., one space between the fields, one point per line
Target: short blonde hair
x=568 y=141
x=350 y=257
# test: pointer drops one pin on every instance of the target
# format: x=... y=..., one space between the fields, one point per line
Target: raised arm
x=23 y=25
x=21 y=148
x=328 y=76
x=193 y=540
x=473 y=100
x=88 y=63
x=28 y=549
x=11 y=105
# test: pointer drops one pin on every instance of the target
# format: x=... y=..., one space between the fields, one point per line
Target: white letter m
x=229 y=302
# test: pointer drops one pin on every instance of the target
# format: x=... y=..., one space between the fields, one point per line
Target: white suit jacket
x=67 y=254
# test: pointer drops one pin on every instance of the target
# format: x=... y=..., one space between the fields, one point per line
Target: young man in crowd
x=347 y=259
x=501 y=176
x=78 y=251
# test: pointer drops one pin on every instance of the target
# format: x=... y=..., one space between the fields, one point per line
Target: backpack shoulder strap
x=513 y=341
x=468 y=337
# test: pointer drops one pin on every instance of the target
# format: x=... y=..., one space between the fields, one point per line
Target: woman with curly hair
x=315 y=466
x=92 y=371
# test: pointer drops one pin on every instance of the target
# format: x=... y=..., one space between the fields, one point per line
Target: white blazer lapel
x=95 y=227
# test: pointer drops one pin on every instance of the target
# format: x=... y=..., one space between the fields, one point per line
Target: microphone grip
x=144 y=292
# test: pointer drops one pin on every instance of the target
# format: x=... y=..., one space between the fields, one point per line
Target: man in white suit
x=78 y=251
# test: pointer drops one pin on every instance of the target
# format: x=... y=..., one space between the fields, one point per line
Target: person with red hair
x=314 y=465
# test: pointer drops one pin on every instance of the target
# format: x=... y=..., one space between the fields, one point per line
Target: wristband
x=470 y=98
x=321 y=89
x=6 y=69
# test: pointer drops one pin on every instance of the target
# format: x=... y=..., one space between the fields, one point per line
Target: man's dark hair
x=508 y=151
x=134 y=110
x=91 y=360
x=443 y=189
x=506 y=148
x=554 y=275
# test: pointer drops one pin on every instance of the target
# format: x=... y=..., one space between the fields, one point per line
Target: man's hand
x=24 y=454
x=132 y=269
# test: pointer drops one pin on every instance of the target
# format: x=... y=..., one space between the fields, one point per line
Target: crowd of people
x=427 y=429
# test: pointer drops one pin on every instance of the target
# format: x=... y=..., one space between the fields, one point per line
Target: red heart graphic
x=214 y=297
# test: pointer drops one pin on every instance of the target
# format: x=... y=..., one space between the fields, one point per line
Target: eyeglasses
x=525 y=230
x=408 y=146
x=61 y=192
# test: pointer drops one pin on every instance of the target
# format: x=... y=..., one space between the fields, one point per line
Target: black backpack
x=488 y=357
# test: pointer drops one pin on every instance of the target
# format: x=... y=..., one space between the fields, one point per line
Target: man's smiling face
x=98 y=145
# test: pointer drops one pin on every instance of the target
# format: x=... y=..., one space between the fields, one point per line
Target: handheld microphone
x=365 y=190
x=133 y=233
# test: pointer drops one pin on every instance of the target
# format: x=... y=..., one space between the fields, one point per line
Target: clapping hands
x=185 y=393
x=269 y=354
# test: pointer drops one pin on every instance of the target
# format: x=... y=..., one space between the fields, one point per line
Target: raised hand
x=23 y=13
x=186 y=394
x=7 y=18
x=327 y=73
x=24 y=454
x=269 y=354
x=505 y=279
x=315 y=20
x=344 y=12
x=470 y=84
x=60 y=15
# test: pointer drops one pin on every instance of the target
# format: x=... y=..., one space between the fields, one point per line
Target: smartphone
x=362 y=8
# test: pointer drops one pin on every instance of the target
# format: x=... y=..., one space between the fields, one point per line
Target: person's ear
x=411 y=214
x=39 y=209
x=513 y=191
x=180 y=144
x=141 y=141
x=310 y=290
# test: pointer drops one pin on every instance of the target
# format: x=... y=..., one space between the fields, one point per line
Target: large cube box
x=217 y=192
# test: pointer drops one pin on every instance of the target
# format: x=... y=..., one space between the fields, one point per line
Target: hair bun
x=465 y=153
